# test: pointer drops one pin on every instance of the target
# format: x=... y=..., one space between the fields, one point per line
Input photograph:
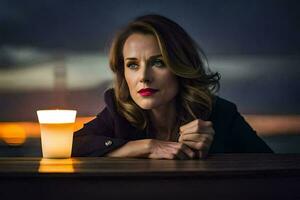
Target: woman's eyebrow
x=155 y=56
x=151 y=57
x=130 y=58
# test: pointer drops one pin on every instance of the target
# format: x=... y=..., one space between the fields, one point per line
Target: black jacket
x=109 y=130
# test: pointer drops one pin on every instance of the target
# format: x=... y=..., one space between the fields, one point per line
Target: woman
x=163 y=105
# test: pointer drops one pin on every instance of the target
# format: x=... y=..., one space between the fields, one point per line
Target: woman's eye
x=158 y=63
x=132 y=65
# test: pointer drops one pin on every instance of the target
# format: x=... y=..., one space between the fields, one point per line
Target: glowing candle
x=57 y=127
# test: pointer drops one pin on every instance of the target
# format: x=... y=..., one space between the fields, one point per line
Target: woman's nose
x=145 y=74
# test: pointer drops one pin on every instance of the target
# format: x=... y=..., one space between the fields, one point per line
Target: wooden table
x=220 y=176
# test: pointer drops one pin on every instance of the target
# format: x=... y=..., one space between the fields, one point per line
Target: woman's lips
x=147 y=92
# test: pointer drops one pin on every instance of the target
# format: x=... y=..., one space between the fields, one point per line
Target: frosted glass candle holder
x=57 y=127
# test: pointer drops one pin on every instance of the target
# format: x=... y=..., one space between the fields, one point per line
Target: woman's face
x=151 y=84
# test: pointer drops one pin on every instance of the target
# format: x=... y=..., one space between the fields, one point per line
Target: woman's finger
x=188 y=125
x=197 y=145
x=195 y=126
x=195 y=137
x=187 y=150
x=173 y=150
x=183 y=151
x=205 y=130
x=190 y=137
x=181 y=155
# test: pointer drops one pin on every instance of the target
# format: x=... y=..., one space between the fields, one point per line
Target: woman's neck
x=164 y=118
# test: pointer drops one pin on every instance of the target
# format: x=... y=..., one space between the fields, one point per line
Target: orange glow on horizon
x=15 y=133
x=269 y=125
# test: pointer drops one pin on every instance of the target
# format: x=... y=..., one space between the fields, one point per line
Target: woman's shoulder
x=222 y=109
x=109 y=111
x=220 y=103
x=110 y=102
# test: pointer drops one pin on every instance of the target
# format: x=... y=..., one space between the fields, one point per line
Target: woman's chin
x=147 y=105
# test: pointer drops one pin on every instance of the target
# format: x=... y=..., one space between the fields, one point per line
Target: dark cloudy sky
x=232 y=26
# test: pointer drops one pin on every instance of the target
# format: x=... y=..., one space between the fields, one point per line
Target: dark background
x=221 y=27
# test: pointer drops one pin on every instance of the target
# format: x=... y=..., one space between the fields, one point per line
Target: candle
x=57 y=127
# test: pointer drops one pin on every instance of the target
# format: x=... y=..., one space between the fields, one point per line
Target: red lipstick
x=147 y=92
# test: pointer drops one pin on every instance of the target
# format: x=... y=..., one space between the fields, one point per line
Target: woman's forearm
x=132 y=149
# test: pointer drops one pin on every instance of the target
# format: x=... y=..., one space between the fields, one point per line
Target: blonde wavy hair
x=197 y=84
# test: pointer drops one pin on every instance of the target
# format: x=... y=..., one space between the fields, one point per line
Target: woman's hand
x=152 y=148
x=159 y=149
x=198 y=135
